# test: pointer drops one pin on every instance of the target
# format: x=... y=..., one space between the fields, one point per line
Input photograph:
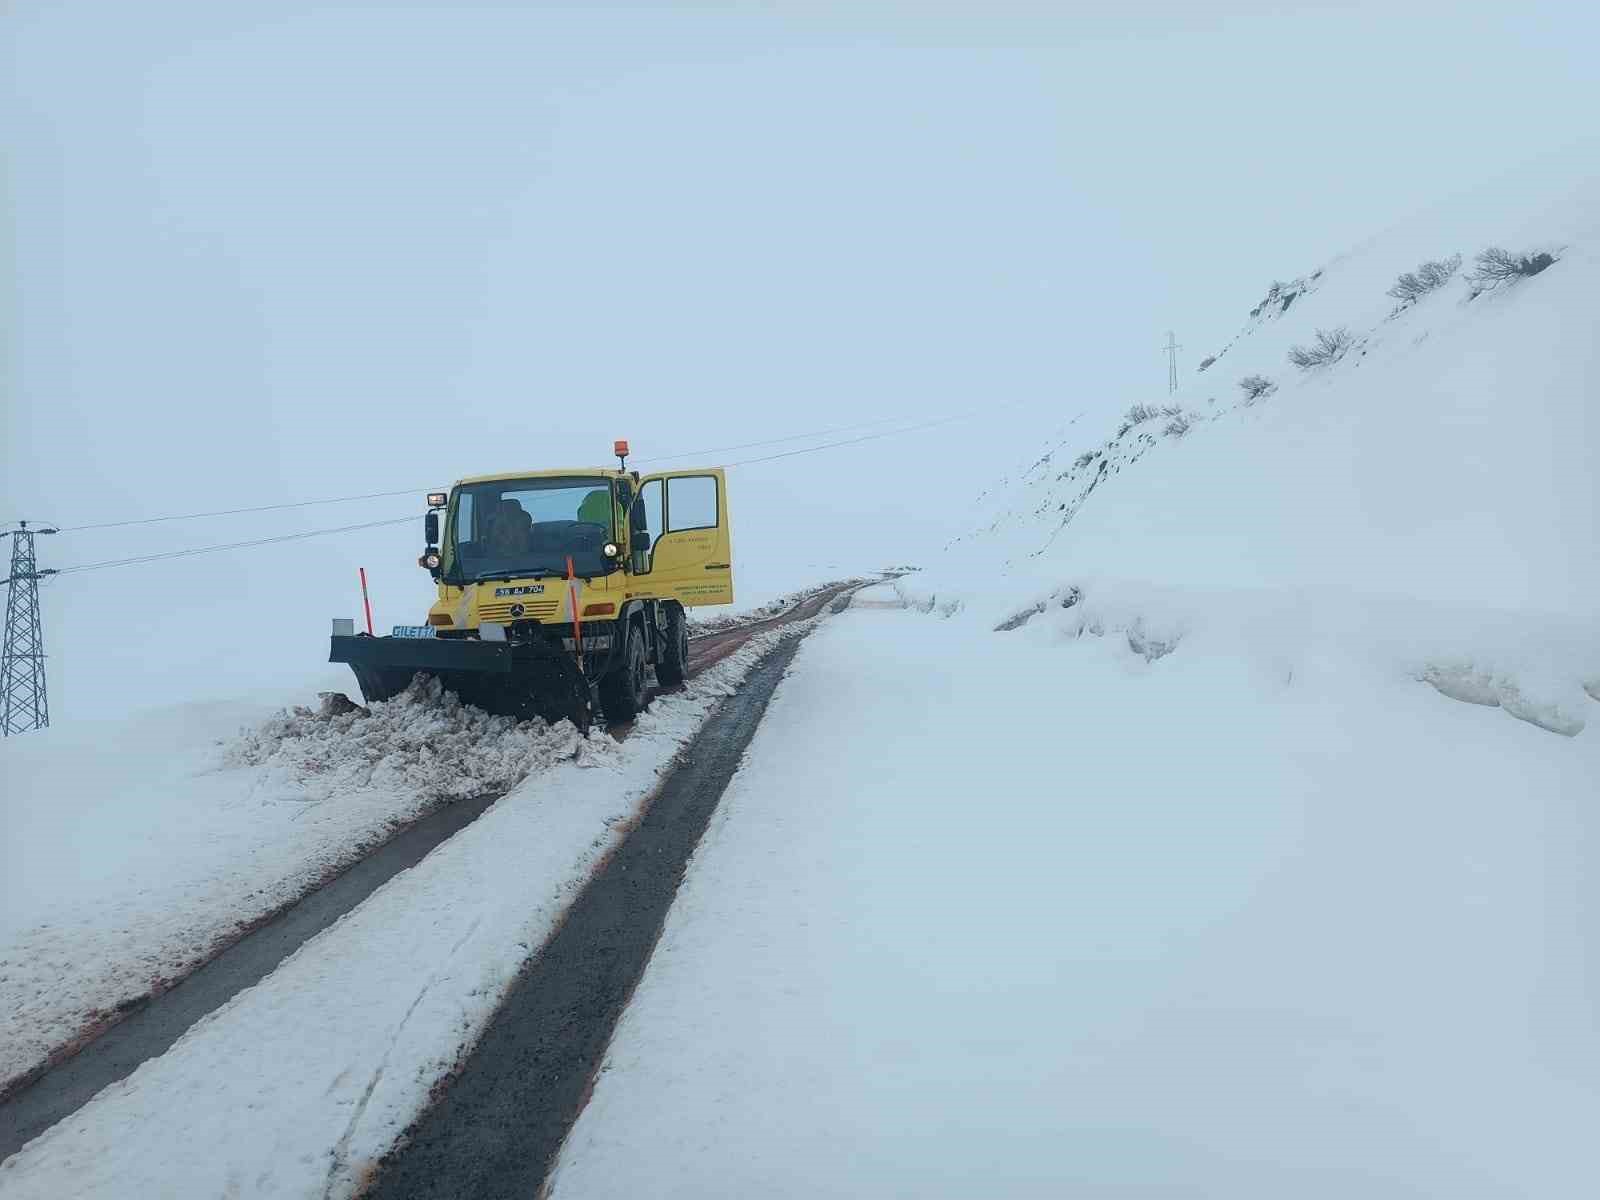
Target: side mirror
x=430 y=556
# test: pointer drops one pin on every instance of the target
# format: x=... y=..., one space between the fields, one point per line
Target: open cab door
x=688 y=557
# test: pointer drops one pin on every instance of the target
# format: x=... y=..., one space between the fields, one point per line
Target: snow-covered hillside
x=1430 y=496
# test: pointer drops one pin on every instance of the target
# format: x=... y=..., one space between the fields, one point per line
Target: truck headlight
x=610 y=550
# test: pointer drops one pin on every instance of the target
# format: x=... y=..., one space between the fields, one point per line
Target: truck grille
x=539 y=609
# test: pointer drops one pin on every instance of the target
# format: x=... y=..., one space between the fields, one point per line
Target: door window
x=691 y=502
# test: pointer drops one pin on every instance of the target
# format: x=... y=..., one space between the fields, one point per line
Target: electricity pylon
x=23 y=702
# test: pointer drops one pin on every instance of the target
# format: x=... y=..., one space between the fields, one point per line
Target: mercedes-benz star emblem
x=517 y=610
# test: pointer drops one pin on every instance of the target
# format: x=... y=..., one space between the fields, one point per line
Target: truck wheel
x=622 y=691
x=674 y=664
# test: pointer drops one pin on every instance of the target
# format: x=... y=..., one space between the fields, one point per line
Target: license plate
x=413 y=631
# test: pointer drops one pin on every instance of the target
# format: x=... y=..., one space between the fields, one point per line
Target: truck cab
x=625 y=537
x=558 y=587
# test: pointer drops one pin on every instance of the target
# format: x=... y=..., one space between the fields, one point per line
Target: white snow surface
x=299 y=1084
x=135 y=849
x=1049 y=917
x=1212 y=821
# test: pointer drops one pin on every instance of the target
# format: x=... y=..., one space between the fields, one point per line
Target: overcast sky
x=283 y=251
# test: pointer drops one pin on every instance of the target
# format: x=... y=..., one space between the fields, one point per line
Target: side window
x=648 y=511
x=459 y=535
x=691 y=502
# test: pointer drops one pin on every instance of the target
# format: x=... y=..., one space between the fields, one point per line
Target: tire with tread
x=623 y=691
x=674 y=664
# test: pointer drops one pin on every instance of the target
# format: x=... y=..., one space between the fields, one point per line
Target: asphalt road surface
x=496 y=1130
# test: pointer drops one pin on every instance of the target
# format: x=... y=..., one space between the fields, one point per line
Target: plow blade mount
x=511 y=679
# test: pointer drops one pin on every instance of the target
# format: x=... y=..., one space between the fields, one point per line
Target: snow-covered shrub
x=1280 y=296
x=1140 y=413
x=1179 y=425
x=1330 y=346
x=1084 y=459
x=1496 y=266
x=1255 y=387
x=1428 y=277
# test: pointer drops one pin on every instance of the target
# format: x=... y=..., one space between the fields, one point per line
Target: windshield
x=510 y=528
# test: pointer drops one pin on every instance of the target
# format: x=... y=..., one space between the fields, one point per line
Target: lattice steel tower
x=23 y=703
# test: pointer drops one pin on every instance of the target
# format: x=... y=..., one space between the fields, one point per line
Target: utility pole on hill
x=23 y=703
x=1172 y=349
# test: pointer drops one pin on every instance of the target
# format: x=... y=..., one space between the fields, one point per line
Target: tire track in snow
x=496 y=1130
x=154 y=1024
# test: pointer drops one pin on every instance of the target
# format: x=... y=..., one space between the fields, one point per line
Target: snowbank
x=1054 y=916
x=423 y=742
x=135 y=850
x=299 y=1084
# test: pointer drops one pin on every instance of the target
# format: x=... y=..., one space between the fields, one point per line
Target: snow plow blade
x=512 y=679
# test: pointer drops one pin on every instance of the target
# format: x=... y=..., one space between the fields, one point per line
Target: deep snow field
x=1216 y=820
x=1047 y=919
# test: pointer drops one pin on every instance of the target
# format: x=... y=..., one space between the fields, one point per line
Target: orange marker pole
x=577 y=623
x=366 y=603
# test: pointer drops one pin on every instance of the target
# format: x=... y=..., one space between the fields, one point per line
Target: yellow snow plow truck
x=557 y=590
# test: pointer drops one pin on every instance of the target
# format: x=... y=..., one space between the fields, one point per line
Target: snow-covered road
x=299 y=1084
x=1002 y=914
x=137 y=850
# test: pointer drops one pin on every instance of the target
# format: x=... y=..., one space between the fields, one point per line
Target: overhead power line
x=870 y=437
x=233 y=512
x=266 y=541
x=283 y=506
x=310 y=533
x=793 y=437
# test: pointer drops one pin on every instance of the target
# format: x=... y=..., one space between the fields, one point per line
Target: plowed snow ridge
x=423 y=742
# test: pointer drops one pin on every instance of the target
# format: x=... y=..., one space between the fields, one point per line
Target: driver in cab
x=511 y=530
